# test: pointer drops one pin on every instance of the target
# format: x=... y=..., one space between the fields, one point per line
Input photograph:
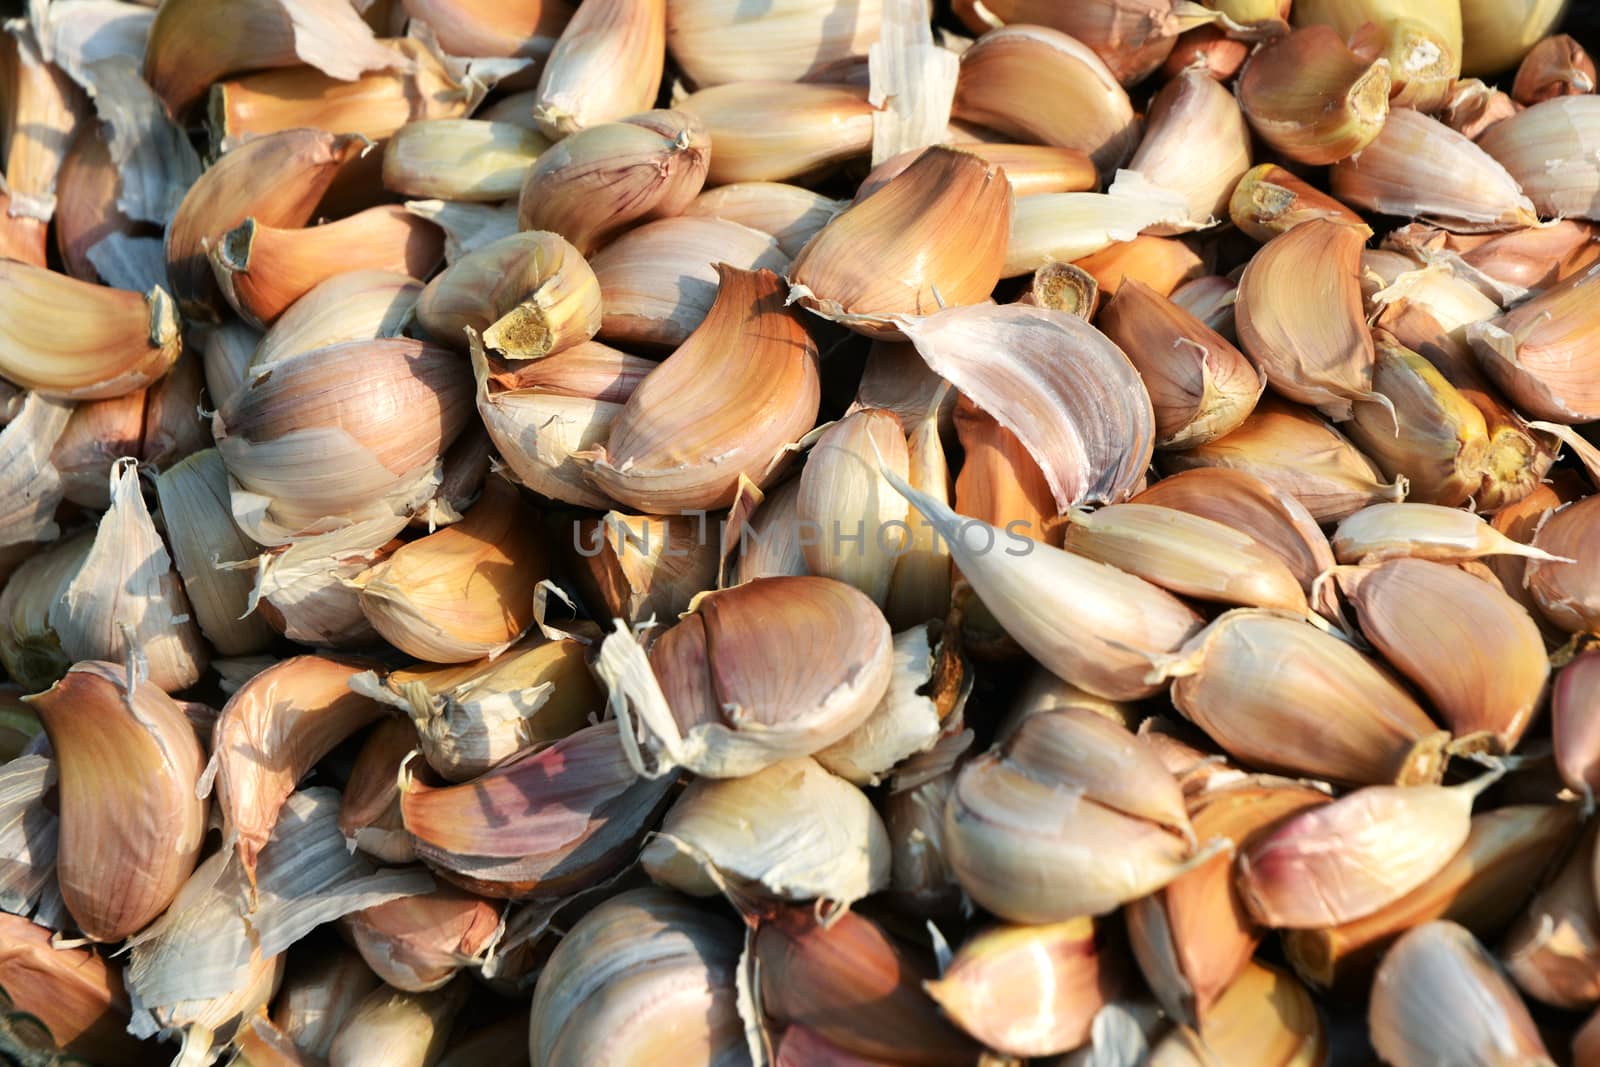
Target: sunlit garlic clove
x=1195 y=143
x=767 y=131
x=1473 y=107
x=1575 y=723
x=399 y=1029
x=796 y=41
x=460 y=159
x=369 y=808
x=522 y=28
x=1568 y=593
x=1426 y=531
x=606 y=64
x=419 y=943
x=1269 y=201
x=1074 y=227
x=1538 y=352
x=73 y=992
x=302 y=588
x=1549 y=148
x=362 y=305
x=1312 y=98
x=1421 y=39
x=791 y=214
x=1556 y=66
x=642 y=567
x=859 y=519
x=1265 y=1016
x=1031 y=169
x=1552 y=951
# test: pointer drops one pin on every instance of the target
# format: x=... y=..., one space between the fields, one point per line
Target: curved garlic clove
x=741 y=831
x=1297 y=454
x=1029 y=990
x=1074 y=227
x=1252 y=668
x=562 y=819
x=939 y=227
x=791 y=214
x=1552 y=951
x=639 y=567
x=1426 y=531
x=1549 y=149
x=794 y=41
x=1210 y=47
x=591 y=371
x=1421 y=40
x=1201 y=387
x=847 y=981
x=97 y=434
x=1356 y=855
x=128 y=762
x=271 y=733
x=1299 y=316
x=1538 y=352
x=103 y=342
x=1263 y=1017
x=43 y=111
x=302 y=589
x=417 y=944
x=1419 y=166
x=1269 y=201
x=262 y=270
x=277 y=179
x=460 y=159
x=658 y=281
x=398 y=1029
x=30 y=647
x=1481 y=887
x=645 y=975
x=1195 y=144
x=30 y=483
x=1499 y=34
x=1030 y=168
x=606 y=64
x=999 y=481
x=1575 y=722
x=592 y=185
x=1440 y=998
x=1086 y=107
x=225 y=357
x=521 y=28
x=920 y=587
x=858 y=519
x=358 y=305
x=74 y=992
x=726 y=404
x=369 y=809
x=1473 y=107
x=468 y=227
x=1556 y=66
x=1312 y=98
x=86 y=208
x=1562 y=578
x=349 y=432
x=768 y=131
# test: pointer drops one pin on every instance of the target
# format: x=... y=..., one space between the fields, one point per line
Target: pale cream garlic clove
x=920 y=587
x=1472 y=649
x=1440 y=998
x=1312 y=98
x=1299 y=455
x=195 y=507
x=176 y=423
x=1538 y=352
x=646 y=976
x=606 y=64
x=1563 y=578
x=528 y=295
x=1421 y=39
x=73 y=992
x=31 y=483
x=1029 y=990
x=1426 y=531
x=726 y=404
x=1201 y=387
x=125 y=603
x=470 y=718
x=1482 y=887
x=791 y=214
x=771 y=670
x=858 y=989
x=1133 y=39
x=1264 y=1017
x=303 y=588
x=592 y=185
x=369 y=809
x=1356 y=855
x=1549 y=149
x=1280 y=694
x=127 y=763
x=460 y=160
x=419 y=943
x=559 y=820
x=1195 y=144
x=641 y=567
x=30 y=647
x=742 y=833
x=1556 y=66
x=1270 y=200
x=773 y=131
x=1552 y=951
x=1030 y=168
x=357 y=305
x=466 y=591
x=939 y=227
x=858 y=520
x=1082 y=104
x=1299 y=316
x=1575 y=723
x=395 y=1029
x=913 y=811
x=271 y=733
x=1075 y=227
x=1043 y=691
x=797 y=40
x=770 y=540
x=658 y=282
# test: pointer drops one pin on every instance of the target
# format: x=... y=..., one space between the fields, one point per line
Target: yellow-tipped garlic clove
x=1556 y=66
x=1419 y=166
x=417 y=944
x=1253 y=668
x=529 y=295
x=606 y=64
x=1202 y=388
x=1553 y=949
x=939 y=227
x=1426 y=531
x=767 y=131
x=791 y=214
x=1297 y=454
x=101 y=343
x=398 y=1029
x=1575 y=722
x=1029 y=990
x=1031 y=169
x=603 y=179
x=741 y=831
x=1549 y=148
x=1269 y=201
x=1313 y=99
x=796 y=41
x=131 y=823
x=369 y=810
x=468 y=160
x=362 y=305
x=1538 y=352
x=1440 y=998
x=1421 y=39
x=658 y=282
x=859 y=520
x=74 y=992
x=1563 y=579
x=1080 y=102
x=641 y=567
x=1472 y=649
x=1195 y=144
x=1264 y=1017
x=272 y=732
x=724 y=405
x=465 y=592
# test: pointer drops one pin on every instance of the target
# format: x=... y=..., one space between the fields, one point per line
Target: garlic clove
x=1312 y=98
x=403 y=1029
x=1030 y=168
x=1562 y=577
x=1426 y=531
x=1549 y=149
x=1556 y=66
x=460 y=159
x=417 y=944
x=1070 y=227
x=1270 y=200
x=1162 y=263
x=791 y=214
x=772 y=131
x=1195 y=144
x=302 y=589
x=640 y=567
x=919 y=589
x=1537 y=352
x=1498 y=35
x=1574 y=718
x=30 y=647
x=73 y=992
x=369 y=809
x=1552 y=951
x=357 y=305
x=523 y=28
x=606 y=64
x=1264 y=1017
x=797 y=41
x=1421 y=39
x=860 y=519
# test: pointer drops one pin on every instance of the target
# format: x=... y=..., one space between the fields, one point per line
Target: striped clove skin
x=1562 y=578
x=1556 y=66
x=1538 y=352
x=769 y=131
x=606 y=64
x=1162 y=263
x=1549 y=149
x=1575 y=723
x=790 y=213
x=1030 y=168
x=1552 y=951
x=1312 y=98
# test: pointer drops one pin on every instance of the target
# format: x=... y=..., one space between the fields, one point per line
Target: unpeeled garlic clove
x=1088 y=109
x=1426 y=531
x=1031 y=169
x=1312 y=98
x=999 y=481
x=523 y=28
x=1350 y=858
x=128 y=762
x=459 y=159
x=1264 y=1017
x=1556 y=66
x=1538 y=352
x=1195 y=144
x=86 y=209
x=1209 y=47
x=30 y=648
x=419 y=943
x=606 y=64
x=1552 y=951
x=271 y=733
x=97 y=434
x=1473 y=107
x=1269 y=201
x=359 y=305
x=770 y=540
x=791 y=214
x=1440 y=998
x=225 y=357
x=1252 y=668
x=768 y=131
x=727 y=403
x=1029 y=990
x=276 y=179
x=740 y=831
x=1162 y=263
x=1498 y=35
x=369 y=809
x=78 y=997
x=466 y=591
x=921 y=879
x=939 y=227
x=42 y=113
x=559 y=820
x=641 y=567
x=529 y=295
x=1421 y=39
x=1297 y=454
x=1575 y=723
x=302 y=589
x=398 y=1029
x=797 y=41
x=1299 y=315
x=259 y=1043
x=468 y=227
x=1201 y=387
x=859 y=520
x=1549 y=149
x=1563 y=578
x=644 y=975
x=1074 y=227
x=658 y=281
x=592 y=185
